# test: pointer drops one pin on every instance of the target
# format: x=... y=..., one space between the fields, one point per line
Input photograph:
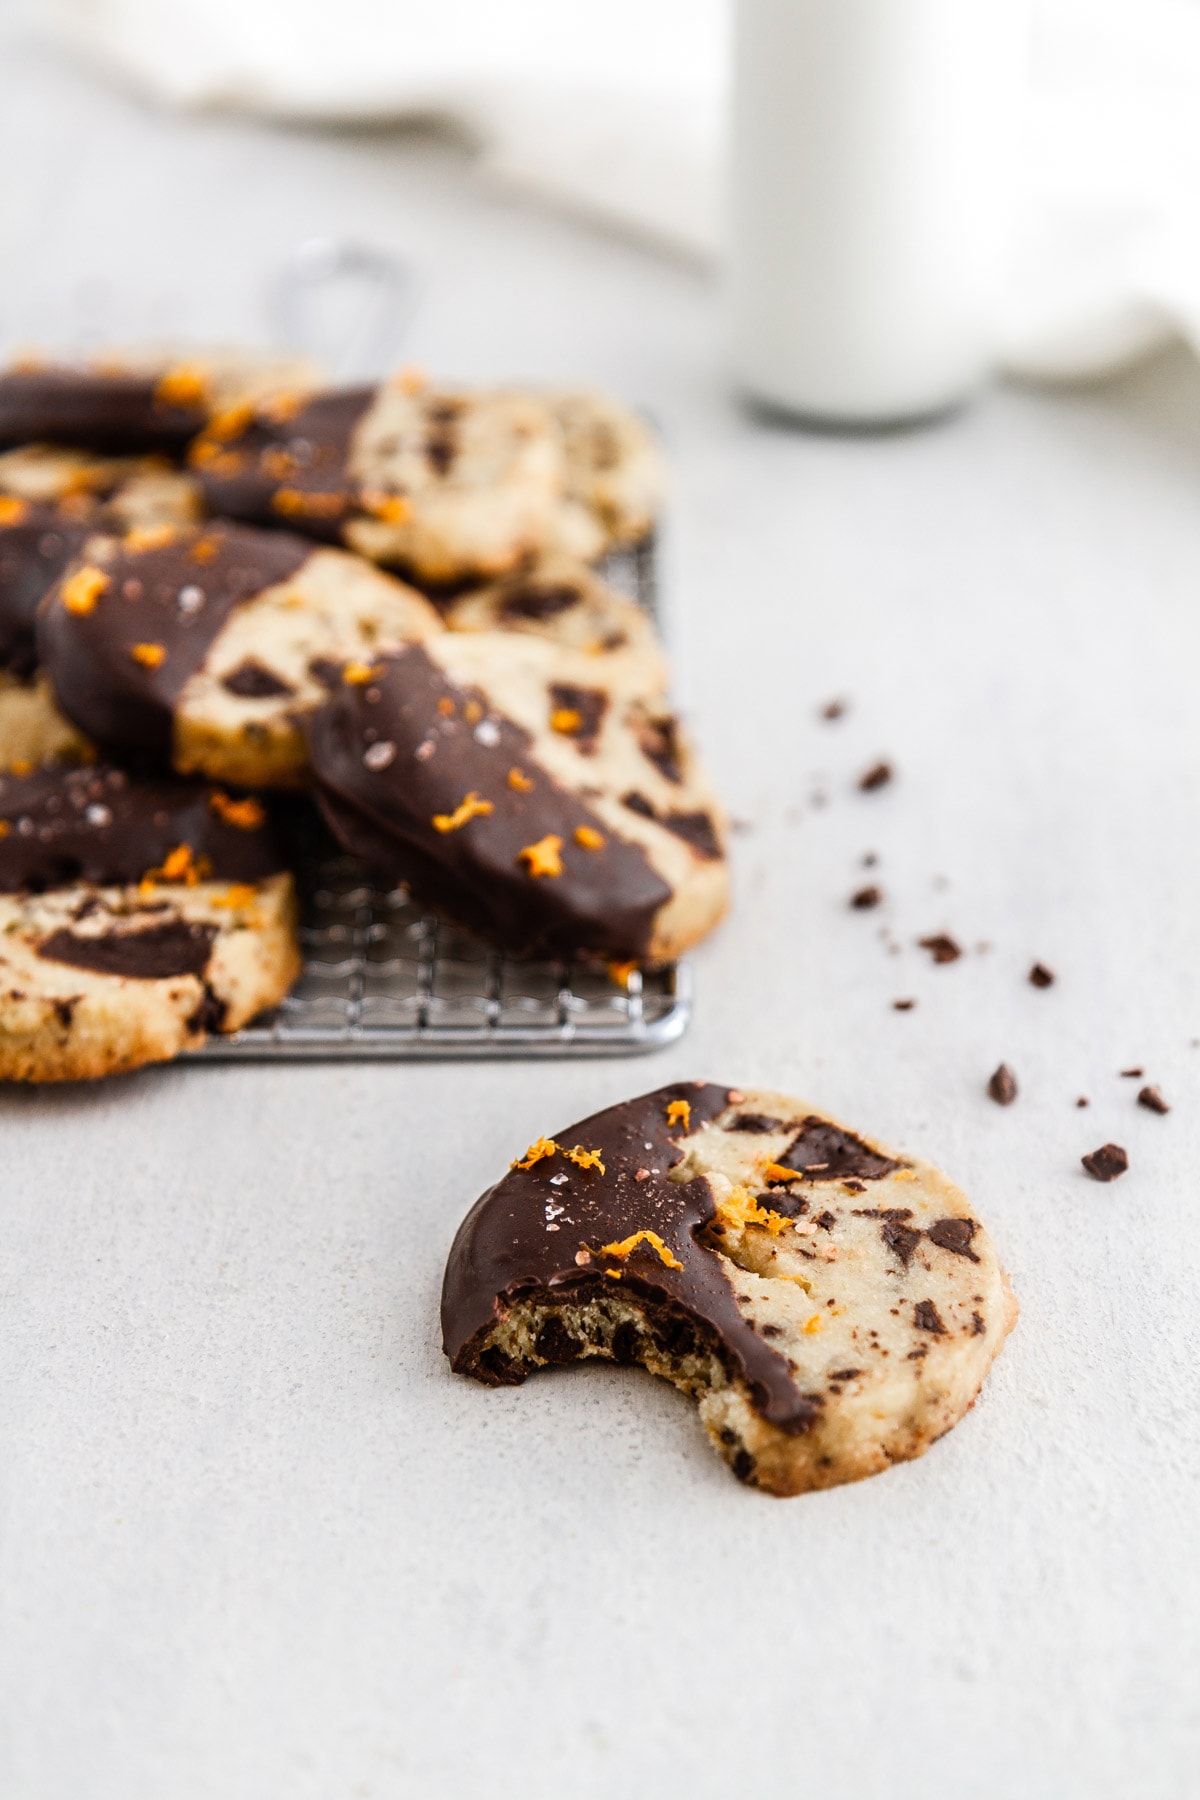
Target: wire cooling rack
x=384 y=979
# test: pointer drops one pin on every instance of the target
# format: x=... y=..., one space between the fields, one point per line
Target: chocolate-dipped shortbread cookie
x=208 y=646
x=447 y=485
x=616 y=477
x=146 y=400
x=135 y=918
x=558 y=597
x=832 y=1306
x=520 y=787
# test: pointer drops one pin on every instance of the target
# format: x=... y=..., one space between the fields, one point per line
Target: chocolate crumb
x=1041 y=976
x=1002 y=1087
x=877 y=776
x=903 y=1005
x=942 y=948
x=1133 y=1074
x=1083 y=1100
x=926 y=1317
x=826 y=1220
x=833 y=709
x=977 y=1325
x=866 y=897
x=1152 y=1100
x=1106 y=1163
x=869 y=860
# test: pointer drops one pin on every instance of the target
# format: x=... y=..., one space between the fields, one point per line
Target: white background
x=255 y=1540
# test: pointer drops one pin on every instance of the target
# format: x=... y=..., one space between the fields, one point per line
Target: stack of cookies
x=220 y=579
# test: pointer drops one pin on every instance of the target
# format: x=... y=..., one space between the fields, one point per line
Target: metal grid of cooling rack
x=384 y=979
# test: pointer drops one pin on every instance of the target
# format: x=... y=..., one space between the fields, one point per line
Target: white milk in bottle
x=872 y=161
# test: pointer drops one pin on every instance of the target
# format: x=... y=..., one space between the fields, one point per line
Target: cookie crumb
x=869 y=860
x=1002 y=1087
x=1133 y=1074
x=1106 y=1163
x=903 y=1005
x=1040 y=976
x=1152 y=1100
x=877 y=776
x=941 y=947
x=866 y=897
x=1083 y=1100
x=834 y=709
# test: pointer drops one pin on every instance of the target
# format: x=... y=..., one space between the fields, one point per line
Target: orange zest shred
x=234 y=422
x=151 y=656
x=566 y=719
x=359 y=673
x=20 y=765
x=588 y=838
x=391 y=509
x=178 y=865
x=184 y=385
x=410 y=379
x=814 y=1325
x=80 y=591
x=519 y=782
x=148 y=537
x=277 y=464
x=5 y=827
x=246 y=814
x=12 y=510
x=471 y=806
x=203 y=550
x=739 y=1208
x=294 y=503
x=905 y=1175
x=584 y=1159
x=679 y=1112
x=629 y=1244
x=472 y=712
x=544 y=1147
x=777 y=1172
x=543 y=857
x=284 y=405
x=446 y=707
x=613 y=1274
x=241 y=893
x=619 y=973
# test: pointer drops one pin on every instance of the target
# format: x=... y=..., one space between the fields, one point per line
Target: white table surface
x=256 y=1540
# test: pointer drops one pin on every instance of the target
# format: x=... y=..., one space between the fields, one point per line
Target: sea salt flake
x=379 y=756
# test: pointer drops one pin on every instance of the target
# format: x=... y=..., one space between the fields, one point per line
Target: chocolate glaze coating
x=305 y=455
x=381 y=787
x=178 y=596
x=33 y=554
x=111 y=413
x=101 y=826
x=504 y=1254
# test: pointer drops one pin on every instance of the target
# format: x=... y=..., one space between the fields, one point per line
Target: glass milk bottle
x=872 y=156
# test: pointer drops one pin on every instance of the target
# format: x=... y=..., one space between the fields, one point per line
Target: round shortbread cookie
x=520 y=786
x=616 y=475
x=135 y=917
x=99 y=981
x=558 y=597
x=832 y=1306
x=211 y=645
x=447 y=485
